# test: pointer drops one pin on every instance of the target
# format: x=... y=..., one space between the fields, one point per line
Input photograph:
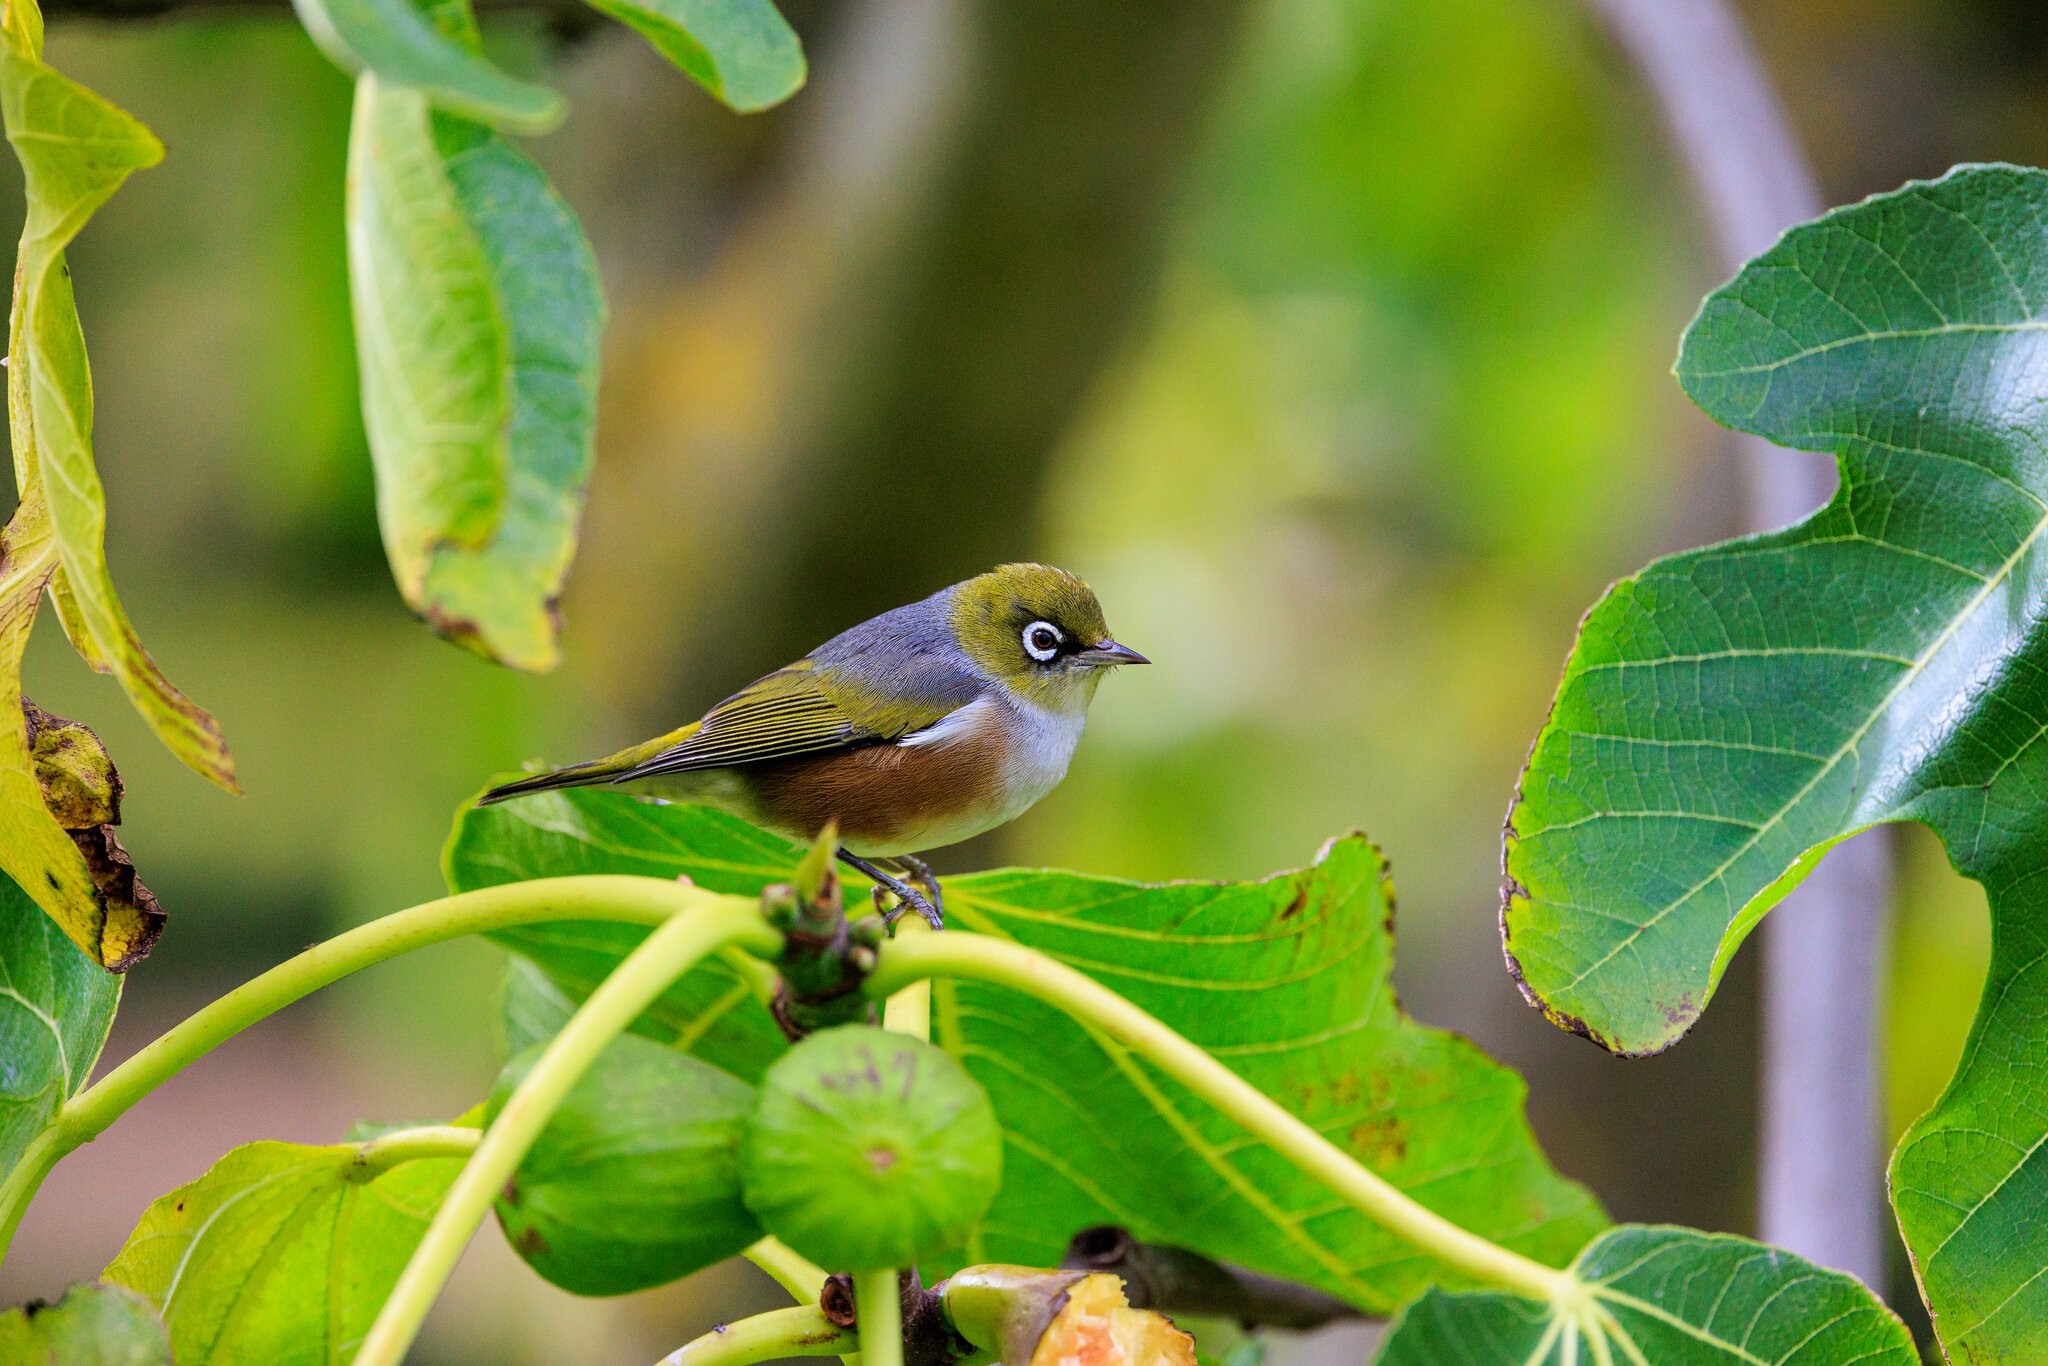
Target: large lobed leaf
x=281 y=1253
x=1662 y=1297
x=56 y=1006
x=1730 y=713
x=1285 y=979
x=477 y=314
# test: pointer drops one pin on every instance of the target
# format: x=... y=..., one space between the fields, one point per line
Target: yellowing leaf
x=75 y=150
x=59 y=793
x=281 y=1253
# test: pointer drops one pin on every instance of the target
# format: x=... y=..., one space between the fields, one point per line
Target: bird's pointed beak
x=1106 y=653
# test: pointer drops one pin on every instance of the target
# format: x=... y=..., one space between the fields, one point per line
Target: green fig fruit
x=869 y=1149
x=635 y=1181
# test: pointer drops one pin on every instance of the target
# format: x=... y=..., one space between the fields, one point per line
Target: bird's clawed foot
x=926 y=903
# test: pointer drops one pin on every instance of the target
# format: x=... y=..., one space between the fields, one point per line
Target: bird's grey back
x=909 y=651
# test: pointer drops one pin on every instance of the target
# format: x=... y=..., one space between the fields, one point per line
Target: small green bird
x=921 y=727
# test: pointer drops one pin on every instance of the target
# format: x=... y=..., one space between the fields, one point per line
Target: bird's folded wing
x=791 y=711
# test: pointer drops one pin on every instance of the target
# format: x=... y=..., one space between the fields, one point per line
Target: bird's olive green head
x=1040 y=630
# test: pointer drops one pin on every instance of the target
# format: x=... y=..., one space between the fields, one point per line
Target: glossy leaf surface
x=89 y=1325
x=1286 y=980
x=1730 y=713
x=742 y=51
x=477 y=315
x=1663 y=1297
x=281 y=1253
x=403 y=47
x=635 y=1182
x=56 y=1006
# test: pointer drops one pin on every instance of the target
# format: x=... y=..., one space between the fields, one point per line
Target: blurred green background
x=1329 y=339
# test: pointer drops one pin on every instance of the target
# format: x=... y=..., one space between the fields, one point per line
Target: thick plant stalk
x=1821 y=1164
x=1004 y=963
x=878 y=1305
x=909 y=1011
x=633 y=985
x=634 y=900
x=799 y=1331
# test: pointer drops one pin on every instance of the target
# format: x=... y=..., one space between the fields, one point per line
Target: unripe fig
x=635 y=1181
x=869 y=1149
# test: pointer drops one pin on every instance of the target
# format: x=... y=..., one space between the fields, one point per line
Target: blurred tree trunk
x=976 y=340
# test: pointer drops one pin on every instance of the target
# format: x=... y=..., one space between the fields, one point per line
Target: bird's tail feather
x=610 y=769
x=576 y=775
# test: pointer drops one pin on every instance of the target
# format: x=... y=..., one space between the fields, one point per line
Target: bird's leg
x=921 y=873
x=905 y=893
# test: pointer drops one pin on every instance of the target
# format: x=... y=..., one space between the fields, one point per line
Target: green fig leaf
x=1730 y=713
x=1668 y=1296
x=74 y=152
x=742 y=51
x=635 y=1182
x=477 y=314
x=56 y=1006
x=402 y=46
x=1091 y=1135
x=531 y=1008
x=714 y=1011
x=282 y=1253
x=870 y=1149
x=90 y=1325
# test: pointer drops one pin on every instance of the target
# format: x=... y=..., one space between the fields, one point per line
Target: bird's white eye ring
x=1042 y=640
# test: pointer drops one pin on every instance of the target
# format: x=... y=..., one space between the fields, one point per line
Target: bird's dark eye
x=1042 y=640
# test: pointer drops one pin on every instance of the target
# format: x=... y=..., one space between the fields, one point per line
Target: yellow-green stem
x=800 y=1331
x=909 y=1011
x=803 y=1278
x=794 y=1272
x=640 y=977
x=878 y=1314
x=379 y=1155
x=1003 y=963
x=633 y=900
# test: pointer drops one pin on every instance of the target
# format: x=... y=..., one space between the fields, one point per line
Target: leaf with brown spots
x=59 y=793
x=90 y=1325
